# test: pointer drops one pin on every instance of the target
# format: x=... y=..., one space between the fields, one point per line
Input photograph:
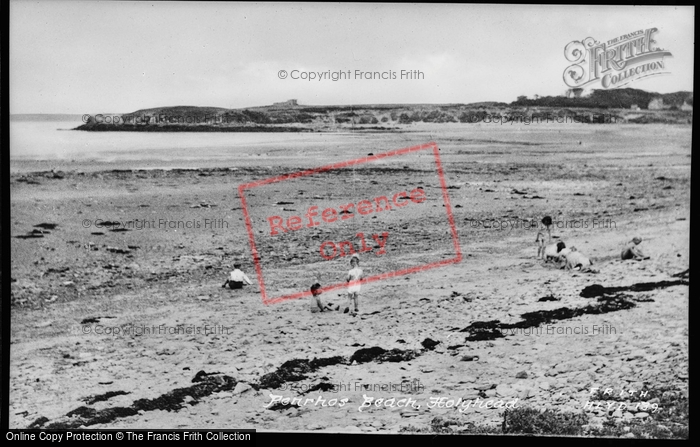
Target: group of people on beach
x=237 y=279
x=353 y=278
x=572 y=258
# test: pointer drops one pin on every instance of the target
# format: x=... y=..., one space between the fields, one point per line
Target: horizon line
x=333 y=105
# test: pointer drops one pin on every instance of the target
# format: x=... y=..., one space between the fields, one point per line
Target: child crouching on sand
x=631 y=251
x=316 y=303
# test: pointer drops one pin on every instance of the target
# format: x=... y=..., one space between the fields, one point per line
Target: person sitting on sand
x=631 y=251
x=575 y=260
x=551 y=252
x=353 y=279
x=562 y=256
x=236 y=278
x=316 y=303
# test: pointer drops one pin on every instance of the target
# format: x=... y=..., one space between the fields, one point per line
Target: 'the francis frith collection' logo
x=614 y=63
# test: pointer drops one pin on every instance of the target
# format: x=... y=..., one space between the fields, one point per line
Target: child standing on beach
x=353 y=279
x=547 y=221
x=236 y=278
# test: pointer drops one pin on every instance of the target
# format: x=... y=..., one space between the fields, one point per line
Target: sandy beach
x=116 y=326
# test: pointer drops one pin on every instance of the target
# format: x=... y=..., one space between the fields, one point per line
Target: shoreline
x=213 y=129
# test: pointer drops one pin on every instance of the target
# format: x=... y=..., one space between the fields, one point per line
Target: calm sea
x=39 y=145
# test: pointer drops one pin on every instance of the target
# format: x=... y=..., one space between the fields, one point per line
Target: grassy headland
x=601 y=107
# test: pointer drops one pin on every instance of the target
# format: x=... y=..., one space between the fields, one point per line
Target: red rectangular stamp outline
x=251 y=234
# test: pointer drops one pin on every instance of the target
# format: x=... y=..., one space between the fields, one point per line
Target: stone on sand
x=241 y=387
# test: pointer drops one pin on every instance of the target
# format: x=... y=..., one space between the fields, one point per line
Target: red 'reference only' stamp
x=384 y=207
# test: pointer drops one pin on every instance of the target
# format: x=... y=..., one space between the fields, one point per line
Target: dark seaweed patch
x=280 y=407
x=328 y=361
x=596 y=290
x=593 y=291
x=381 y=355
x=397 y=355
x=38 y=422
x=46 y=226
x=90 y=320
x=322 y=386
x=367 y=354
x=82 y=412
x=29 y=181
x=171 y=401
x=429 y=344
x=483 y=335
x=685 y=274
x=295 y=370
x=102 y=397
x=491 y=330
x=29 y=236
x=483 y=330
x=202 y=375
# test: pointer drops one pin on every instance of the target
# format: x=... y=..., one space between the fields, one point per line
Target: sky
x=118 y=57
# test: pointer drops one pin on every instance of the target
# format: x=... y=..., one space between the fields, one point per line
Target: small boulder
x=241 y=387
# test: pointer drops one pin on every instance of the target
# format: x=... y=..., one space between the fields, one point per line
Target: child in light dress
x=353 y=279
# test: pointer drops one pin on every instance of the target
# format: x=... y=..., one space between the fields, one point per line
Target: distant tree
x=574 y=93
x=432 y=117
x=522 y=101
